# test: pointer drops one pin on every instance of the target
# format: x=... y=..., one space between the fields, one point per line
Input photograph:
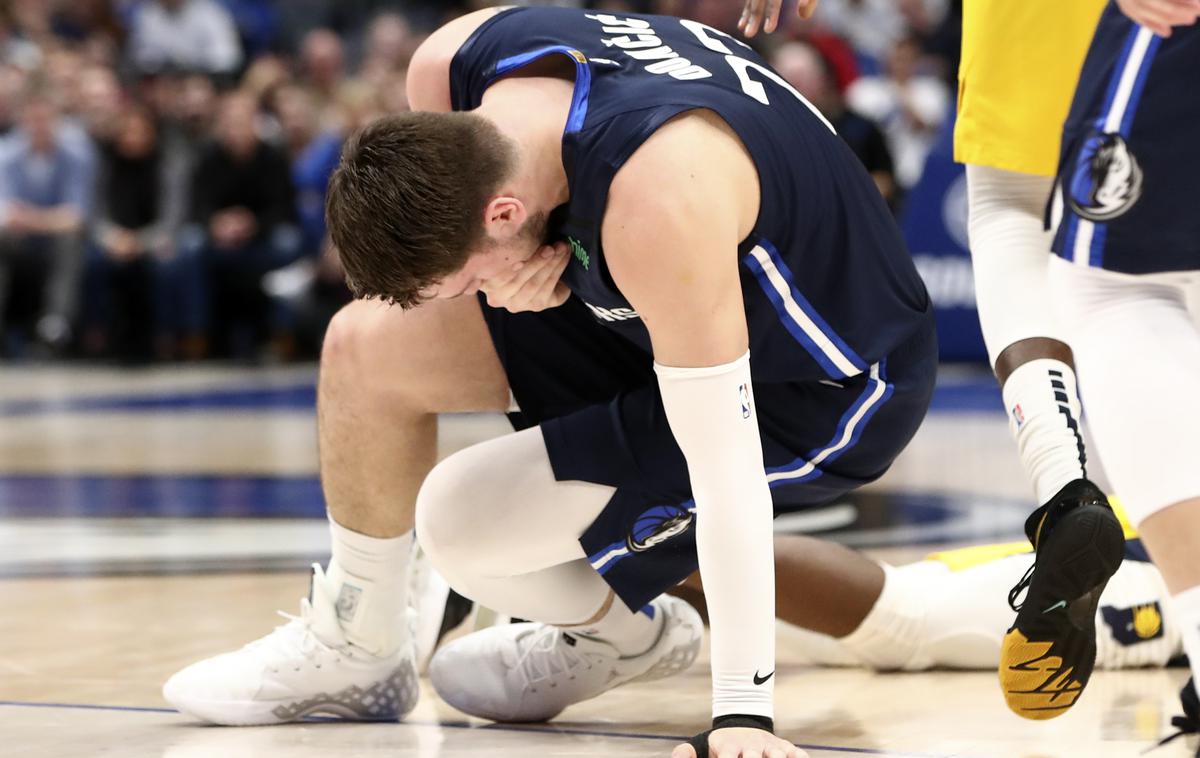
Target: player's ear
x=504 y=217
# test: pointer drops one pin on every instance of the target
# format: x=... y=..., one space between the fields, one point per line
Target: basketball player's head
x=424 y=206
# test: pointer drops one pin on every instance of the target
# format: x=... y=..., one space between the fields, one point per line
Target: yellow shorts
x=1020 y=63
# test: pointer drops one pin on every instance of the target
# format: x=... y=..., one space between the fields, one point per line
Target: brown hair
x=405 y=206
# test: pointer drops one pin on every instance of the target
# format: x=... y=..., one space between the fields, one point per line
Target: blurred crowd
x=163 y=163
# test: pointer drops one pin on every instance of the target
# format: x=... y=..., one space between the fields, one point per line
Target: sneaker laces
x=299 y=638
x=291 y=641
x=546 y=655
x=1020 y=587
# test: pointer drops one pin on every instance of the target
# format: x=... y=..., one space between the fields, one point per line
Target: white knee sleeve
x=495 y=509
x=1137 y=353
x=1010 y=252
x=503 y=532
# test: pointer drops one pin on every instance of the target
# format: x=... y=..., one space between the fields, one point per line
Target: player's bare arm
x=673 y=254
x=429 y=70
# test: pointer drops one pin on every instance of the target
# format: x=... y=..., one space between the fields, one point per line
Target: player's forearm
x=712 y=415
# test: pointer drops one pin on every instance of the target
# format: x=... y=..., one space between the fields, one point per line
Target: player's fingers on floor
x=806 y=8
x=684 y=751
x=774 y=752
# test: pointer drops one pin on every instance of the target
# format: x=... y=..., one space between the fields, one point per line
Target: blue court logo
x=1107 y=181
x=658 y=525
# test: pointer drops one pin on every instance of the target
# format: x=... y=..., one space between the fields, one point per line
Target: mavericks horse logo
x=1107 y=180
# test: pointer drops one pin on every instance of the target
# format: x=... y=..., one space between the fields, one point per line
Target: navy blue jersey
x=1129 y=173
x=829 y=288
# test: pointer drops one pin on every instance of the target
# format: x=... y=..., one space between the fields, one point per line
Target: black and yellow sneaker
x=1189 y=723
x=1049 y=652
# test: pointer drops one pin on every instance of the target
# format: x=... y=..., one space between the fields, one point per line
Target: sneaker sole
x=684 y=620
x=388 y=700
x=1035 y=683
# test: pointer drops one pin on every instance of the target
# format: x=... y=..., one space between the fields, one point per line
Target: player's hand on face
x=1160 y=15
x=532 y=285
x=764 y=14
x=737 y=742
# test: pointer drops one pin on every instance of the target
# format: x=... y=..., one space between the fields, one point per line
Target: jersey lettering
x=612 y=314
x=742 y=67
x=637 y=39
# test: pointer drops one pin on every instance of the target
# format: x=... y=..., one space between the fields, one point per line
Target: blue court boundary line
x=485 y=728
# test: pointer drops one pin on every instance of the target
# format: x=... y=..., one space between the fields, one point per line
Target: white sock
x=890 y=635
x=1186 y=610
x=1043 y=414
x=369 y=577
x=630 y=633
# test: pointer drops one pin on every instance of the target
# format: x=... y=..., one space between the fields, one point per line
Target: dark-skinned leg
x=819 y=585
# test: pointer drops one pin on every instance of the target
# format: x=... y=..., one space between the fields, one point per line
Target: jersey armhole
x=460 y=100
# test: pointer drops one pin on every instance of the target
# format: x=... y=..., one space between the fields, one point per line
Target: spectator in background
x=138 y=211
x=314 y=155
x=98 y=107
x=16 y=49
x=194 y=35
x=390 y=45
x=243 y=226
x=12 y=87
x=809 y=72
x=312 y=295
x=872 y=27
x=257 y=22
x=45 y=196
x=323 y=65
x=910 y=105
x=185 y=106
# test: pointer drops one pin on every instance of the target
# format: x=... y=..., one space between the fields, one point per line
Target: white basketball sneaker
x=531 y=672
x=438 y=610
x=302 y=668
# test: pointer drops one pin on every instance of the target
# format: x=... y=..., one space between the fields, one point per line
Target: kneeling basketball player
x=730 y=325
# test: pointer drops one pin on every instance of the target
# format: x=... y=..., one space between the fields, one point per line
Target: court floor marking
x=488 y=727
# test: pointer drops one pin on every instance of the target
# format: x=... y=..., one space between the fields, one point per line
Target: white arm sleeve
x=712 y=415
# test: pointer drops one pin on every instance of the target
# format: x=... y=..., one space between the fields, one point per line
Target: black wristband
x=699 y=743
x=746 y=722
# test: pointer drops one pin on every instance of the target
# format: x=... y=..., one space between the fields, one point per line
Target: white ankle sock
x=1043 y=414
x=369 y=578
x=630 y=633
x=1185 y=607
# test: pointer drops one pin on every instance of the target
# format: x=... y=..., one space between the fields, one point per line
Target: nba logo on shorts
x=744 y=394
x=1018 y=415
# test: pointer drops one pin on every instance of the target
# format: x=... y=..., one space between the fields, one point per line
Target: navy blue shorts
x=1129 y=176
x=595 y=395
